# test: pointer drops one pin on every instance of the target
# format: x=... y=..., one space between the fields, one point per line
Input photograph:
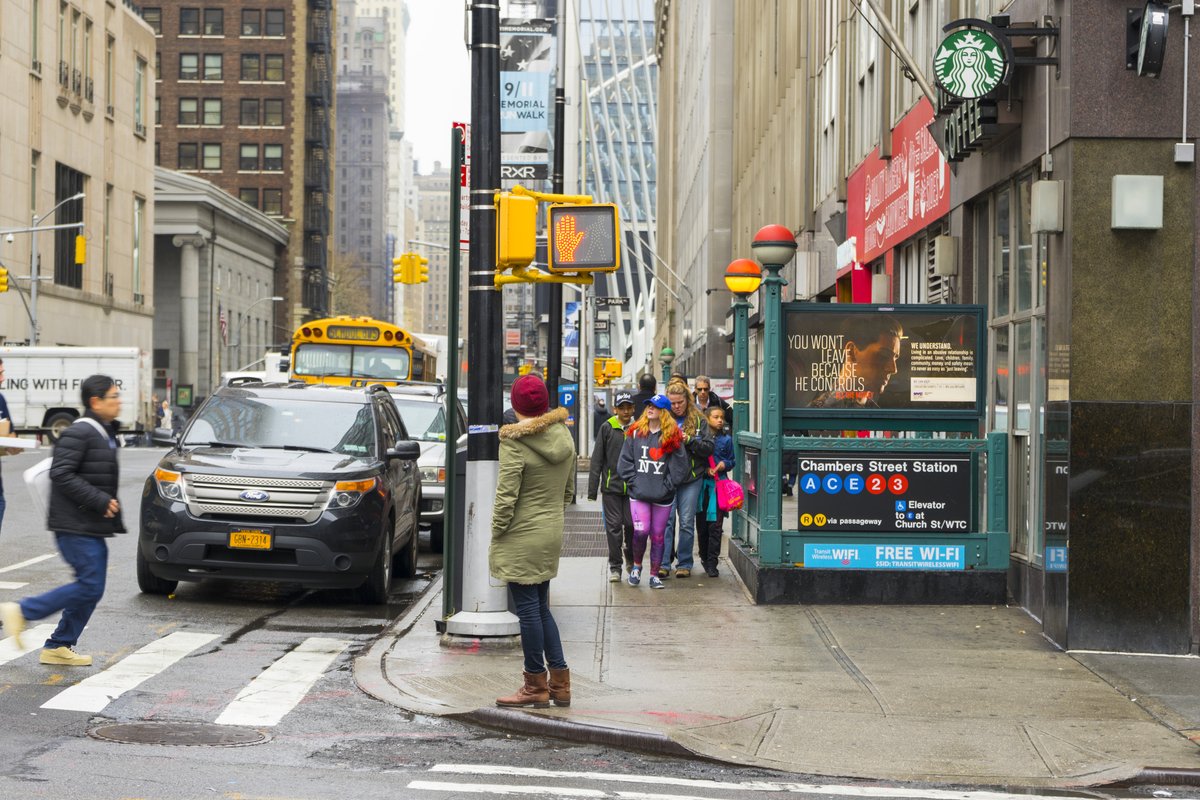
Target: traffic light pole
x=484 y=606
x=554 y=333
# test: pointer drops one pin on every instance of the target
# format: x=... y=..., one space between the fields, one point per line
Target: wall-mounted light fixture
x=1137 y=202
x=1046 y=207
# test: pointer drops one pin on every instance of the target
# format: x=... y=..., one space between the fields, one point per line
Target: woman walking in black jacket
x=83 y=512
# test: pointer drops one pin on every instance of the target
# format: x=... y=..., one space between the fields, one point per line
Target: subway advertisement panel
x=900 y=361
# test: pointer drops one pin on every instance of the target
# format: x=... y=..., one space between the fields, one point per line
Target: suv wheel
x=150 y=583
x=407 y=558
x=375 y=590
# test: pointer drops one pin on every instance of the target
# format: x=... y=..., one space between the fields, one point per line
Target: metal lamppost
x=666 y=356
x=34 y=267
x=742 y=278
x=237 y=346
x=774 y=246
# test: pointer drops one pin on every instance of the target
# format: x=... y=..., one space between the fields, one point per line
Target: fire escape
x=317 y=162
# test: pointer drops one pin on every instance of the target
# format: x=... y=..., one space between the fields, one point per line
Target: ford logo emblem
x=255 y=496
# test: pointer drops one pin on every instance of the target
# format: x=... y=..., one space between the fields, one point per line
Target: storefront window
x=1000 y=379
x=1024 y=247
x=1022 y=374
x=1003 y=254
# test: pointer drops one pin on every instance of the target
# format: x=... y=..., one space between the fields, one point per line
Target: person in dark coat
x=647 y=388
x=603 y=479
x=706 y=397
x=84 y=511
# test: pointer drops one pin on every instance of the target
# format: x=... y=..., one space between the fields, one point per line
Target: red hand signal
x=566 y=238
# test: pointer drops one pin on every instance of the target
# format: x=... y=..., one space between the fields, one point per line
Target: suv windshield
x=426 y=422
x=247 y=421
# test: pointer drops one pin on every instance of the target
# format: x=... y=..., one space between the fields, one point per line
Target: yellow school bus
x=339 y=350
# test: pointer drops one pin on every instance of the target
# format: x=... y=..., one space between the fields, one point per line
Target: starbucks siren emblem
x=969 y=64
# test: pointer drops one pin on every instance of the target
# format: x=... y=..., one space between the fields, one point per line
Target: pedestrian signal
x=3 y=280
x=583 y=238
x=516 y=230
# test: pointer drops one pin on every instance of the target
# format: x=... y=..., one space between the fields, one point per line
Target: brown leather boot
x=533 y=694
x=560 y=686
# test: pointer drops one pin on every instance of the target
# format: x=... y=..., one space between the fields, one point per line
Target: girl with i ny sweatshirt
x=652 y=464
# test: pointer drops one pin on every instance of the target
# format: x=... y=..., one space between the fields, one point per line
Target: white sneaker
x=13 y=621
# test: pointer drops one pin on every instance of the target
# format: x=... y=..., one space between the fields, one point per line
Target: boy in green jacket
x=618 y=524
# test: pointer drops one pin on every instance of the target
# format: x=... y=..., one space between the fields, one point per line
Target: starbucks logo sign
x=969 y=64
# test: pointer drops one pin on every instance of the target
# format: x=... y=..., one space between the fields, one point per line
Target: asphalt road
x=167 y=670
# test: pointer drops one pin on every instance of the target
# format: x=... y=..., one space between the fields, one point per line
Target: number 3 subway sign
x=884 y=493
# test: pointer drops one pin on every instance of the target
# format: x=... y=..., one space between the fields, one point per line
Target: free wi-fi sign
x=583 y=238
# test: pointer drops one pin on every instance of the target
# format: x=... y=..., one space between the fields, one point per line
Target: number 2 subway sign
x=891 y=362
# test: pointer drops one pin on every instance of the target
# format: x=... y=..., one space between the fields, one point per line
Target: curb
x=535 y=725
x=368 y=667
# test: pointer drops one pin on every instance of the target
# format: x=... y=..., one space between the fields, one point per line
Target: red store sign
x=889 y=201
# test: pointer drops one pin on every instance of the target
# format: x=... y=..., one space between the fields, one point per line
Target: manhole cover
x=179 y=734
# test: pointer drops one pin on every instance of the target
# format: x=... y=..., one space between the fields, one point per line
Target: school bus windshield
x=352 y=361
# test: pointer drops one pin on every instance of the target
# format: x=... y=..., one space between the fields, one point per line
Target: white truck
x=41 y=385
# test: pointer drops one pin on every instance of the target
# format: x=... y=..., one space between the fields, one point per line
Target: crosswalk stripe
x=32 y=637
x=497 y=788
x=96 y=692
x=26 y=562
x=11 y=585
x=270 y=696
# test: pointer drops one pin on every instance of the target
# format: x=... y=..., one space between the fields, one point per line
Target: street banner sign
x=527 y=61
x=881 y=492
x=897 y=362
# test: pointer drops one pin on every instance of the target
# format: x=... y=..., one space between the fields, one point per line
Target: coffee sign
x=969 y=64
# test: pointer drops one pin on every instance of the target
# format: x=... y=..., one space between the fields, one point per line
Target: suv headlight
x=170 y=484
x=347 y=493
x=433 y=474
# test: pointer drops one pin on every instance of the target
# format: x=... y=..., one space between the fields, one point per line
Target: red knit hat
x=529 y=396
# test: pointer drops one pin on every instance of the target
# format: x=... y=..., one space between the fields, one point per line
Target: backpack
x=37 y=477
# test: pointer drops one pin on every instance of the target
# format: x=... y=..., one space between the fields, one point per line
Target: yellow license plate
x=250 y=540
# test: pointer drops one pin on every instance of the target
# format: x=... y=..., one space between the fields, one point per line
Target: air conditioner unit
x=945 y=255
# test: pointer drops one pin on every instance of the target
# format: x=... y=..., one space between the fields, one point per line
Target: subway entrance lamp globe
x=774 y=245
x=743 y=277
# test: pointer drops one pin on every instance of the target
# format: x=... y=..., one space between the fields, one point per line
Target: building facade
x=360 y=221
x=433 y=225
x=214 y=274
x=245 y=99
x=1101 y=495
x=78 y=140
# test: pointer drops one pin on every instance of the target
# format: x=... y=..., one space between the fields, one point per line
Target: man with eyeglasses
x=84 y=511
x=706 y=397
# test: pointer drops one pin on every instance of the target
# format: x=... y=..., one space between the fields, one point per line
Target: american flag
x=223 y=320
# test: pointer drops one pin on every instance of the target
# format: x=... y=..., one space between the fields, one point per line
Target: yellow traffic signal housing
x=583 y=238
x=516 y=230
x=524 y=369
x=400 y=268
x=612 y=368
x=419 y=272
x=80 y=249
x=605 y=369
x=3 y=280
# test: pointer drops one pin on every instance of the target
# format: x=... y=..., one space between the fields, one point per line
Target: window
x=272 y=202
x=153 y=17
x=213 y=66
x=212 y=111
x=272 y=158
x=250 y=67
x=189 y=111
x=249 y=197
x=249 y=113
x=109 y=47
x=214 y=22
x=251 y=22
x=274 y=22
x=67 y=183
x=189 y=22
x=248 y=158
x=274 y=67
x=212 y=157
x=139 y=214
x=273 y=113
x=139 y=93
x=187 y=155
x=87 y=59
x=158 y=111
x=189 y=66
x=157 y=66
x=35 y=38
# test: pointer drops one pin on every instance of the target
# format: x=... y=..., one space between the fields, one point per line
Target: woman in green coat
x=536 y=481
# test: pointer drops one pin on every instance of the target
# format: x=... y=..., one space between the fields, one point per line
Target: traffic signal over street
x=3 y=279
x=410 y=268
x=583 y=238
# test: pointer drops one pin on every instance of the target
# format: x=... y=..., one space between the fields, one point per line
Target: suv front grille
x=288 y=498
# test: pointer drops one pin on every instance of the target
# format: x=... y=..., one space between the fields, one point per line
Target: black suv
x=316 y=485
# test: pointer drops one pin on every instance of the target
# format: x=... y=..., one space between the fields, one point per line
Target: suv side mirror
x=405 y=450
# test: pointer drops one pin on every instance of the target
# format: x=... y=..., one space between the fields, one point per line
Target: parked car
x=422 y=406
x=316 y=485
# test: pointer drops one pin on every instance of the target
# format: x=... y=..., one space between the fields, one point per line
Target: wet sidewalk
x=959 y=694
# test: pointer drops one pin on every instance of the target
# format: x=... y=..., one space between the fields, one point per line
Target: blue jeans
x=539 y=631
x=88 y=556
x=687 y=497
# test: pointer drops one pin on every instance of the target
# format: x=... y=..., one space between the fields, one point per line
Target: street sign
x=609 y=302
x=567 y=392
x=600 y=325
x=920 y=493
